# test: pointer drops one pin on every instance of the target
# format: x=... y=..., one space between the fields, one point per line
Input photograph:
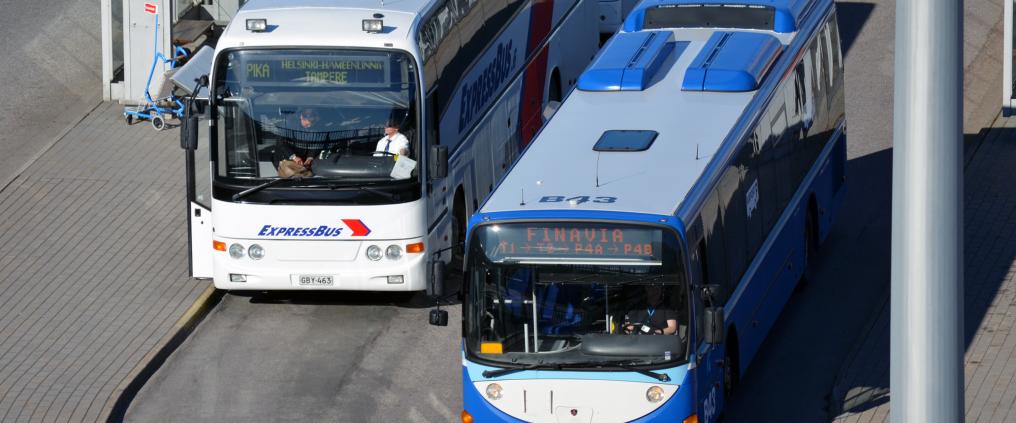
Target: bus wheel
x=810 y=246
x=458 y=232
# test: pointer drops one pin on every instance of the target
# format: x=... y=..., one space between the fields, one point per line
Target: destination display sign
x=318 y=70
x=545 y=242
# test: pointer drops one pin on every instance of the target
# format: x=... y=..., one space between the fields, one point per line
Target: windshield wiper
x=509 y=370
x=662 y=377
x=364 y=188
x=271 y=183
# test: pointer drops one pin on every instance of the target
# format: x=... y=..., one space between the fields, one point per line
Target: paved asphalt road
x=50 y=73
x=356 y=358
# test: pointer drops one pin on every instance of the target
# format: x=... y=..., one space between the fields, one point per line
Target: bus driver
x=293 y=160
x=393 y=142
x=653 y=318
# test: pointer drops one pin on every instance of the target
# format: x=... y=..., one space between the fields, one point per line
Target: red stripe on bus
x=539 y=23
x=535 y=79
x=531 y=116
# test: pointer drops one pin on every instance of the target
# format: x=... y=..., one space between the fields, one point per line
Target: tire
x=458 y=236
x=731 y=372
x=129 y=119
x=158 y=123
x=810 y=248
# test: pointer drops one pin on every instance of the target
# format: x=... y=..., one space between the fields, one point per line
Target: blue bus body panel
x=627 y=62
x=732 y=62
x=786 y=19
x=755 y=306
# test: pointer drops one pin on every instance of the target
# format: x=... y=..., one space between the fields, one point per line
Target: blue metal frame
x=151 y=109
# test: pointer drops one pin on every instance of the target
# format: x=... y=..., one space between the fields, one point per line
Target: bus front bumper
x=320 y=265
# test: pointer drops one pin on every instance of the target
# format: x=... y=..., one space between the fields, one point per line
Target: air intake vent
x=732 y=62
x=628 y=62
x=768 y=15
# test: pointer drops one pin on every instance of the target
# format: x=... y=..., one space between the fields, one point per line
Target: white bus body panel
x=552 y=400
x=691 y=127
x=201 y=240
x=320 y=241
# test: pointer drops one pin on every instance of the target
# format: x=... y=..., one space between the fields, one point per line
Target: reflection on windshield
x=338 y=114
x=522 y=314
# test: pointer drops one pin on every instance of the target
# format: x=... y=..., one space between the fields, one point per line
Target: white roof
x=561 y=160
x=326 y=23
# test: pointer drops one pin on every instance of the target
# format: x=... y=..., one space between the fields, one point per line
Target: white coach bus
x=347 y=141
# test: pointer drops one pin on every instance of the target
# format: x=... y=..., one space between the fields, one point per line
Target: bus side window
x=433 y=123
x=712 y=226
x=703 y=271
x=733 y=207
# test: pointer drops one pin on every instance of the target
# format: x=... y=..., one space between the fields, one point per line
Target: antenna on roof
x=696 y=151
x=523 y=197
x=597 y=169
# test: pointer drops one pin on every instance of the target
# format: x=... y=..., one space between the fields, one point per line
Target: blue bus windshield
x=537 y=291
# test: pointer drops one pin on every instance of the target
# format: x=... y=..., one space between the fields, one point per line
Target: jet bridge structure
x=129 y=40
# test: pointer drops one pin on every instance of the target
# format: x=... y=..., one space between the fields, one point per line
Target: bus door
x=199 y=201
x=708 y=268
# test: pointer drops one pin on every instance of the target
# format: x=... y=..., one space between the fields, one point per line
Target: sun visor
x=199 y=64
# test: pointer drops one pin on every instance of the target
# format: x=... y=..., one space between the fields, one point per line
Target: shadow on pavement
x=412 y=299
x=851 y=18
x=989 y=251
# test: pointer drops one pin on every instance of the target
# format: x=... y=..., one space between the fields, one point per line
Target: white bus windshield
x=317 y=114
x=575 y=295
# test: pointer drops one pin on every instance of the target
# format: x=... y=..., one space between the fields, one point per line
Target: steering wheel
x=637 y=329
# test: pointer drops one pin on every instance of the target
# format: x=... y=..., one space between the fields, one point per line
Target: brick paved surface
x=94 y=265
x=989 y=300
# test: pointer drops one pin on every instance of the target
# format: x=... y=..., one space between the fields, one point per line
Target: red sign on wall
x=151 y=8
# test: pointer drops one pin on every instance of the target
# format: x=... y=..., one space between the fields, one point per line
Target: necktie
x=388 y=145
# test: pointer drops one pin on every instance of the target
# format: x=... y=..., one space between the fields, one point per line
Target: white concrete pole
x=926 y=346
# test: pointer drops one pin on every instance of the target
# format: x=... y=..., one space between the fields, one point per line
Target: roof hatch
x=732 y=62
x=628 y=62
x=625 y=140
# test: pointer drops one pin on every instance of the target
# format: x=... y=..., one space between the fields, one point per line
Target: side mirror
x=438 y=161
x=438 y=317
x=189 y=132
x=714 y=325
x=438 y=269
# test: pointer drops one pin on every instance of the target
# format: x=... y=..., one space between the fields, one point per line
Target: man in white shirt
x=393 y=142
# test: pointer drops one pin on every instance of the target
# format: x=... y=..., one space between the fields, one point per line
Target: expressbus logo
x=355 y=225
x=477 y=93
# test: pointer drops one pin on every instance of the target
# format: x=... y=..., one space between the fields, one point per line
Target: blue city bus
x=630 y=264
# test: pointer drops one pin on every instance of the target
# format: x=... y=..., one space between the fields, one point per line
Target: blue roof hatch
x=629 y=61
x=732 y=62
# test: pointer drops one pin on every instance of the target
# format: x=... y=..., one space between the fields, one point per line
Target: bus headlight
x=256 y=252
x=393 y=252
x=374 y=252
x=654 y=394
x=494 y=391
x=236 y=251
